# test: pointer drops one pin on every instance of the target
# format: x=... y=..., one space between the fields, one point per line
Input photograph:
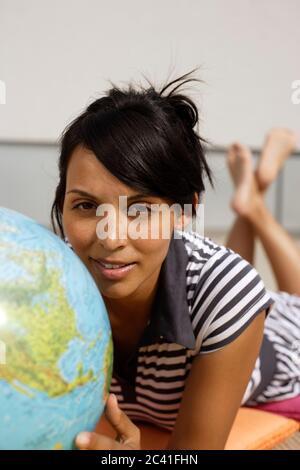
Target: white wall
x=56 y=55
x=28 y=178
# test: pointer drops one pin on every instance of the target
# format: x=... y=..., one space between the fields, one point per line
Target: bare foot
x=247 y=195
x=279 y=144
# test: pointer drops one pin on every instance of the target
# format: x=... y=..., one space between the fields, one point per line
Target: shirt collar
x=170 y=318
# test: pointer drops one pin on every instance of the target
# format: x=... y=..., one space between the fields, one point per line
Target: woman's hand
x=128 y=434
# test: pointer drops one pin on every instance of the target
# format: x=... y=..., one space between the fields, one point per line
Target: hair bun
x=183 y=106
x=185 y=109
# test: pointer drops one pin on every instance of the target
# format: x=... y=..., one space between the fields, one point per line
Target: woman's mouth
x=112 y=271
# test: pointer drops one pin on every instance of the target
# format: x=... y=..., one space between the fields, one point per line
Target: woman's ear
x=196 y=201
x=185 y=217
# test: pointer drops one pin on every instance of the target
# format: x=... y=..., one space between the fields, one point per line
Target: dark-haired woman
x=187 y=315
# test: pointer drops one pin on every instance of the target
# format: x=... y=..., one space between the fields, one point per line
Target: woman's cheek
x=80 y=233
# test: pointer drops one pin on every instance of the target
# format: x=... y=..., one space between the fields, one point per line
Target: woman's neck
x=134 y=309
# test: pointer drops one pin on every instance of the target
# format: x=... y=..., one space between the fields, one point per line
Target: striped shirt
x=207 y=295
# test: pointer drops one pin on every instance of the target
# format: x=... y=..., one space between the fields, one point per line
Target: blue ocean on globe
x=56 y=345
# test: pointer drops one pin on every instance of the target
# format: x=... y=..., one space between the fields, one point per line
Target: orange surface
x=252 y=429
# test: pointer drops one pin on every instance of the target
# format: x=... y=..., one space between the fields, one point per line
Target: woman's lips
x=113 y=274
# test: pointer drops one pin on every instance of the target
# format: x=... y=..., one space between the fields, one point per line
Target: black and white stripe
x=159 y=385
x=224 y=294
x=228 y=293
x=282 y=328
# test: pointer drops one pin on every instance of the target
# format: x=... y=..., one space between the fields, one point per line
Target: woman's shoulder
x=203 y=251
x=216 y=267
x=225 y=292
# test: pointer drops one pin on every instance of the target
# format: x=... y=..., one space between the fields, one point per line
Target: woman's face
x=89 y=185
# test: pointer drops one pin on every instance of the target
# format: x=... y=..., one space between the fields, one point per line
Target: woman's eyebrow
x=81 y=193
x=86 y=194
x=138 y=196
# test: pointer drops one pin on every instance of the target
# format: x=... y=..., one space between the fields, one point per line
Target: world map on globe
x=55 y=340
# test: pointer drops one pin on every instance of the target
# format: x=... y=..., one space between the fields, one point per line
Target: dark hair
x=144 y=137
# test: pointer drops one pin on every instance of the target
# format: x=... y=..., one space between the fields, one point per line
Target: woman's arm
x=214 y=391
x=211 y=399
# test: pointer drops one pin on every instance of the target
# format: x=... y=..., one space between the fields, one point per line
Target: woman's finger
x=128 y=432
x=93 y=441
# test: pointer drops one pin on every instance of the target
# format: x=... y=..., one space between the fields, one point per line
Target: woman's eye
x=85 y=206
x=139 y=209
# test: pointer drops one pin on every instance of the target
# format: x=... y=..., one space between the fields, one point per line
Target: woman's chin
x=113 y=291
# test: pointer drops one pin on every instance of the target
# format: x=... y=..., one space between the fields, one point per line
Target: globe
x=55 y=340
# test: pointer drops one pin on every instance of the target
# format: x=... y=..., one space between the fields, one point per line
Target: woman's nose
x=112 y=228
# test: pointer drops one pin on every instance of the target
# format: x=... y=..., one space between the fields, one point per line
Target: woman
x=187 y=315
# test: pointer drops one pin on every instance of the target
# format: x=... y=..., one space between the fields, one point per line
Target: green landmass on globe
x=33 y=358
x=56 y=376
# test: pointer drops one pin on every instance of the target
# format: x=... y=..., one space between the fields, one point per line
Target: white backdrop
x=57 y=55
